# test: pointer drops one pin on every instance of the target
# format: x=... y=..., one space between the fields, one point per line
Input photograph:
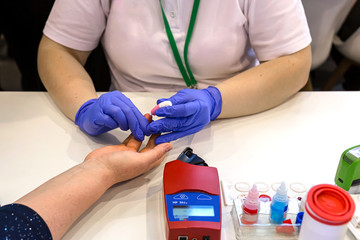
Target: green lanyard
x=187 y=76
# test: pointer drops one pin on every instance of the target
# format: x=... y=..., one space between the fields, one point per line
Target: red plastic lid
x=330 y=204
x=264 y=198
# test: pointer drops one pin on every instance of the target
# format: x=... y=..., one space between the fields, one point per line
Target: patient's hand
x=125 y=161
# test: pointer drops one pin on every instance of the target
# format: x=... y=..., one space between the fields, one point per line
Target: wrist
x=99 y=171
x=216 y=100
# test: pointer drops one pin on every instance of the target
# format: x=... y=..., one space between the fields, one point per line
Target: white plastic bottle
x=328 y=209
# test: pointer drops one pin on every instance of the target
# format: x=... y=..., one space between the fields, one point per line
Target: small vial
x=251 y=206
x=279 y=205
x=160 y=105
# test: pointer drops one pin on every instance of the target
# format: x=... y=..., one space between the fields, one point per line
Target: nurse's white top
x=229 y=36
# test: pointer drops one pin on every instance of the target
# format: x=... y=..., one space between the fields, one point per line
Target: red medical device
x=192 y=201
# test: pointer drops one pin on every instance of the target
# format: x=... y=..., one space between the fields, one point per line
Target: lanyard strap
x=187 y=75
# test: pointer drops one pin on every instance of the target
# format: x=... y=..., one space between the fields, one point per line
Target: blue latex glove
x=191 y=110
x=109 y=111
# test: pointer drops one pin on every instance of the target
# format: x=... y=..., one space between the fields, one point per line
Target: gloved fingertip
x=163 y=139
x=158 y=141
x=153 y=132
x=139 y=137
x=150 y=129
x=148 y=132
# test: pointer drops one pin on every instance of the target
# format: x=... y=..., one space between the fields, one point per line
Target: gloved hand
x=109 y=111
x=191 y=110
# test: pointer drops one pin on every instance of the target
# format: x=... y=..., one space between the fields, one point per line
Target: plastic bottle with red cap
x=328 y=209
x=251 y=206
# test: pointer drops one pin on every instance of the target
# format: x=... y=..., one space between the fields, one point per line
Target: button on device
x=181 y=197
x=183 y=238
x=203 y=197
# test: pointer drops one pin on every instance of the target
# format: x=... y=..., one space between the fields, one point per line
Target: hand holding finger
x=191 y=110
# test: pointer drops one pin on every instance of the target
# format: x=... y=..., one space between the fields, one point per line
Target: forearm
x=266 y=85
x=61 y=200
x=62 y=72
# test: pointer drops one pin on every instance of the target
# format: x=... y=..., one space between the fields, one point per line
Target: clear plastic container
x=263 y=229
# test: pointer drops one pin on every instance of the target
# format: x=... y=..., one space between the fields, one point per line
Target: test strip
x=160 y=105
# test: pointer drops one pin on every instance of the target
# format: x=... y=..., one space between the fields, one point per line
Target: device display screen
x=355 y=152
x=193 y=211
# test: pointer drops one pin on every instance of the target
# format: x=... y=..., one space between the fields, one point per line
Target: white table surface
x=298 y=141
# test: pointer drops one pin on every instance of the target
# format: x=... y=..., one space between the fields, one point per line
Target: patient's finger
x=131 y=142
x=151 y=143
x=148 y=117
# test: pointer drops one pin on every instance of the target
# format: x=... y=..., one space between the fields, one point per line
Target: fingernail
x=168 y=147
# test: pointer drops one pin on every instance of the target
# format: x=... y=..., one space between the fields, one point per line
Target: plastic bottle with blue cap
x=279 y=205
